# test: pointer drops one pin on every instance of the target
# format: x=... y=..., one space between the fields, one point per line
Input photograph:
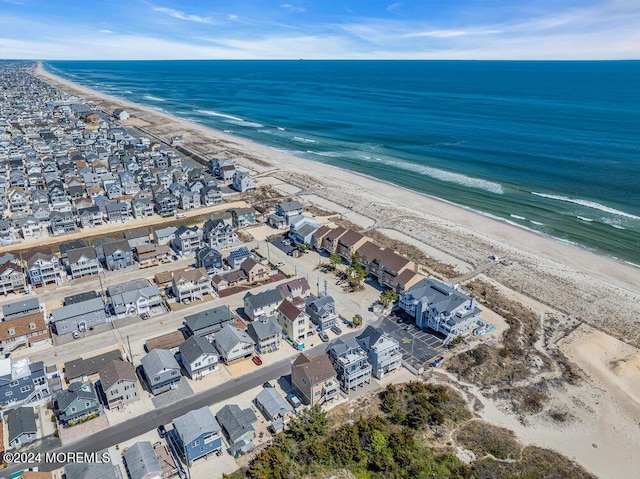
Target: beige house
x=191 y=285
x=294 y=322
x=314 y=380
x=348 y=243
x=255 y=271
x=119 y=383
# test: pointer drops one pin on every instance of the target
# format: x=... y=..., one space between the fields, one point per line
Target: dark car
x=323 y=336
x=336 y=329
x=162 y=431
x=436 y=362
x=267 y=385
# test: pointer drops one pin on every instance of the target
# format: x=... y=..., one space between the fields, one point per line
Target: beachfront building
x=322 y=311
x=382 y=350
x=314 y=380
x=351 y=364
x=301 y=229
x=196 y=434
x=441 y=307
x=44 y=269
x=243 y=182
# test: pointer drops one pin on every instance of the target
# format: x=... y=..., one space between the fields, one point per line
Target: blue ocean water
x=550 y=146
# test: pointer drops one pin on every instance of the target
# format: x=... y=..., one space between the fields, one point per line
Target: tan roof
x=248 y=264
x=36 y=475
x=350 y=238
x=114 y=371
x=289 y=310
x=368 y=251
x=191 y=275
x=317 y=369
x=166 y=341
x=152 y=251
x=408 y=278
x=165 y=276
x=21 y=327
x=392 y=260
x=336 y=233
x=320 y=233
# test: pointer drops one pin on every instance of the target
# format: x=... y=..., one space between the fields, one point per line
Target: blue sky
x=411 y=29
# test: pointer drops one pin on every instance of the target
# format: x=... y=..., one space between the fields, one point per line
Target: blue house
x=209 y=259
x=237 y=256
x=22 y=382
x=117 y=255
x=196 y=434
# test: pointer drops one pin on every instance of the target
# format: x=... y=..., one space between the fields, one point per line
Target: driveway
x=418 y=346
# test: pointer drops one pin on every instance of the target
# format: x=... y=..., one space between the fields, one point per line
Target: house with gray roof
x=322 y=311
x=441 y=307
x=91 y=470
x=234 y=344
x=207 y=323
x=82 y=369
x=272 y=404
x=44 y=269
x=117 y=255
x=266 y=332
x=198 y=357
x=141 y=461
x=301 y=229
x=187 y=239
x=17 y=309
x=196 y=434
x=164 y=235
x=83 y=262
x=134 y=297
x=262 y=304
x=238 y=427
x=288 y=210
x=351 y=364
x=78 y=316
x=383 y=351
x=161 y=371
x=77 y=402
x=21 y=425
x=22 y=382
x=118 y=384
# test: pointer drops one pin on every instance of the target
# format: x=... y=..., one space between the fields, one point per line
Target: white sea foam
x=448 y=176
x=304 y=140
x=248 y=124
x=129 y=92
x=153 y=98
x=588 y=204
x=537 y=223
x=615 y=223
x=584 y=218
x=280 y=128
x=222 y=115
x=518 y=217
x=618 y=227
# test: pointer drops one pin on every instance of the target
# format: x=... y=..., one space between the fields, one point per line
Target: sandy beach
x=558 y=277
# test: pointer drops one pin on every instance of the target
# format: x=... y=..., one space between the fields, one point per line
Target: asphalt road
x=152 y=419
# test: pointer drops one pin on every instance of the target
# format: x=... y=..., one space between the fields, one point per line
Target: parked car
x=323 y=336
x=280 y=264
x=257 y=360
x=436 y=362
x=186 y=301
x=144 y=316
x=174 y=258
x=409 y=328
x=293 y=400
x=76 y=334
x=162 y=431
x=267 y=385
x=336 y=329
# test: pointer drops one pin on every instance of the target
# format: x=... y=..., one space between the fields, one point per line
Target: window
x=73 y=409
x=87 y=404
x=12 y=331
x=24 y=389
x=9 y=393
x=32 y=326
x=13 y=384
x=196 y=443
x=156 y=379
x=174 y=373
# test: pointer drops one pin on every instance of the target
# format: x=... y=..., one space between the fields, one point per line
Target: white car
x=279 y=264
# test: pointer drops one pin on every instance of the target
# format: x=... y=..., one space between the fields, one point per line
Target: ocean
x=549 y=146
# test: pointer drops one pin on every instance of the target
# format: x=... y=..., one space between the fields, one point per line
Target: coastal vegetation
x=413 y=431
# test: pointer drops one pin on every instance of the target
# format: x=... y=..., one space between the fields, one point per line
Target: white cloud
x=106 y=31
x=182 y=16
x=292 y=8
x=393 y=7
x=452 y=33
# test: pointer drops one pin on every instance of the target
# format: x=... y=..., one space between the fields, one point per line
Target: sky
x=319 y=29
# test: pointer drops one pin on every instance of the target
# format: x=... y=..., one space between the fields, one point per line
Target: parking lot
x=418 y=346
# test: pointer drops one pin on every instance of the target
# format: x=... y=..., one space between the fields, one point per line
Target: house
x=44 y=269
x=351 y=364
x=349 y=243
x=18 y=309
x=22 y=382
x=210 y=195
x=289 y=209
x=148 y=255
x=166 y=204
x=219 y=234
x=89 y=217
x=322 y=311
x=295 y=288
x=78 y=316
x=209 y=259
x=234 y=344
x=77 y=402
x=272 y=404
x=119 y=384
x=443 y=308
x=12 y=279
x=314 y=380
x=237 y=256
x=31 y=227
x=209 y=322
x=198 y=357
x=387 y=266
x=278 y=222
x=117 y=212
x=170 y=341
x=190 y=200
x=117 y=255
x=330 y=241
x=301 y=229
x=137 y=237
x=243 y=182
x=243 y=217
x=21 y=425
x=83 y=262
x=295 y=323
x=6 y=232
x=187 y=239
x=383 y=351
x=161 y=371
x=196 y=434
x=64 y=248
x=18 y=199
x=164 y=235
x=191 y=285
x=142 y=208
x=91 y=470
x=141 y=461
x=254 y=270
x=120 y=114
x=258 y=304
x=30 y=330
x=238 y=427
x=134 y=297
x=61 y=222
x=266 y=333
x=87 y=369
